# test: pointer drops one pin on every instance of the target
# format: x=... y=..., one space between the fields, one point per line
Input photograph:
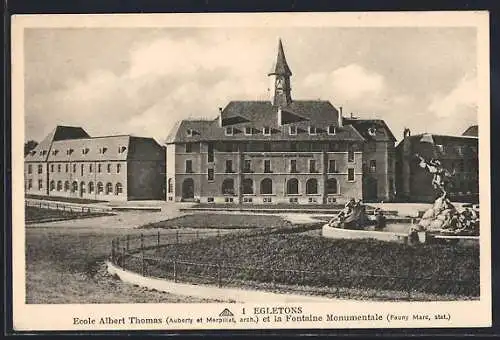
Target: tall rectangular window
x=248 y=131
x=109 y=168
x=266 y=131
x=210 y=174
x=350 y=153
x=99 y=167
x=29 y=168
x=247 y=167
x=332 y=166
x=292 y=130
x=81 y=169
x=58 y=167
x=40 y=184
x=30 y=183
x=52 y=168
x=40 y=168
x=189 y=147
x=74 y=168
x=267 y=165
x=189 y=166
x=118 y=168
x=210 y=152
x=293 y=166
x=90 y=168
x=67 y=167
x=312 y=165
x=373 y=165
x=350 y=174
x=229 y=166
x=332 y=130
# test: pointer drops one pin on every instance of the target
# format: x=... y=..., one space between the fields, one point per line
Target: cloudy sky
x=141 y=80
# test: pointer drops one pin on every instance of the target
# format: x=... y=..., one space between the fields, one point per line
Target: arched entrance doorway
x=188 y=189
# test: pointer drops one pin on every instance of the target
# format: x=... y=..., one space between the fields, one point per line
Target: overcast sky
x=140 y=80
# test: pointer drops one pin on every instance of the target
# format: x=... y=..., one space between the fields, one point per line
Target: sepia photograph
x=275 y=166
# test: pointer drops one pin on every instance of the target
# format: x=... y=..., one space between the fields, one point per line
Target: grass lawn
x=35 y=214
x=63 y=199
x=66 y=266
x=354 y=264
x=222 y=221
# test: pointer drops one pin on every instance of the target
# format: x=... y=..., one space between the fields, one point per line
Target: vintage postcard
x=251 y=171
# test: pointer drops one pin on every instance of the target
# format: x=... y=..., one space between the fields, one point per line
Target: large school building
x=280 y=151
x=70 y=163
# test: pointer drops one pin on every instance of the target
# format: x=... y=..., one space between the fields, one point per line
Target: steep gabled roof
x=43 y=149
x=472 y=130
x=380 y=132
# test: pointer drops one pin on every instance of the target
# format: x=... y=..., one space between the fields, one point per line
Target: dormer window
x=229 y=131
x=332 y=130
x=69 y=151
x=122 y=149
x=292 y=130
x=312 y=130
x=372 y=131
x=33 y=153
x=85 y=151
x=54 y=152
x=266 y=131
x=189 y=132
x=102 y=150
x=248 y=131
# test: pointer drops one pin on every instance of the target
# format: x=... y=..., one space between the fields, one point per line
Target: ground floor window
x=228 y=186
x=266 y=186
x=59 y=185
x=74 y=187
x=292 y=186
x=100 y=187
x=40 y=184
x=91 y=187
x=118 y=188
x=52 y=185
x=66 y=186
x=109 y=188
x=311 y=186
x=248 y=186
x=331 y=186
x=82 y=187
x=170 y=185
x=30 y=183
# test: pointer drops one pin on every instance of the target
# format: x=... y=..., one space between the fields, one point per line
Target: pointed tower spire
x=280 y=66
x=280 y=77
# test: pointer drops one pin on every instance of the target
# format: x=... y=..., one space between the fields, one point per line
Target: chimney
x=340 y=117
x=279 y=116
x=220 y=116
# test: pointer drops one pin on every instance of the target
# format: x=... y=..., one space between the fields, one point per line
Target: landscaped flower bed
x=298 y=259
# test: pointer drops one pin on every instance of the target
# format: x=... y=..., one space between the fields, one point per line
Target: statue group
x=443 y=217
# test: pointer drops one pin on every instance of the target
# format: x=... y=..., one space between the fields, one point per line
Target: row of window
x=58 y=168
x=267 y=131
x=266 y=186
x=247 y=167
x=253 y=146
x=102 y=150
x=81 y=188
x=459 y=149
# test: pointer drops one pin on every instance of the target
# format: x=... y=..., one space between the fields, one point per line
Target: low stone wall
x=338 y=233
x=208 y=292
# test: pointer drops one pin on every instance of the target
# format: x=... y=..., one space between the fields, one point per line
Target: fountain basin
x=392 y=233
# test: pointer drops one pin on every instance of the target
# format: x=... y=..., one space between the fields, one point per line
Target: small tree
x=29 y=145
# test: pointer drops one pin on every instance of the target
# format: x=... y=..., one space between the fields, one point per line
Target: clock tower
x=280 y=80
